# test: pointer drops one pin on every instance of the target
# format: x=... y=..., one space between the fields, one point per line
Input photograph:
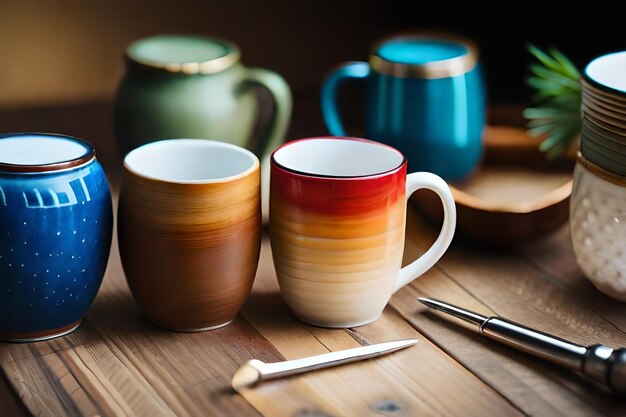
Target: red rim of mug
x=338 y=177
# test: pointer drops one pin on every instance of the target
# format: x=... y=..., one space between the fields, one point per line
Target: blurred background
x=70 y=52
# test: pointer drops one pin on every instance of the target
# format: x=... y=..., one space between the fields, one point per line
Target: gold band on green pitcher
x=431 y=70
x=210 y=66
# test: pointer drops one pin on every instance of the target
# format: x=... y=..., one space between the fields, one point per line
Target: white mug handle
x=414 y=182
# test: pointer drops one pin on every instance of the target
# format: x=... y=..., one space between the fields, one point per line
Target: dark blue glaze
x=55 y=237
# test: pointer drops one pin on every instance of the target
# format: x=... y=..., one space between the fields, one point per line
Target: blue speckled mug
x=55 y=234
x=424 y=95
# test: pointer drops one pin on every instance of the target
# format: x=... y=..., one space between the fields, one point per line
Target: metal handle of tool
x=600 y=363
x=543 y=345
x=607 y=366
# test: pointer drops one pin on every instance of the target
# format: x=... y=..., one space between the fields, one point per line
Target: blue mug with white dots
x=424 y=95
x=55 y=234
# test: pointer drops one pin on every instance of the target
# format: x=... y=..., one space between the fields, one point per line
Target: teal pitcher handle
x=350 y=70
x=273 y=135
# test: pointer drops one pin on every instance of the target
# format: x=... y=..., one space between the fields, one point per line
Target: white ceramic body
x=598 y=226
x=337 y=221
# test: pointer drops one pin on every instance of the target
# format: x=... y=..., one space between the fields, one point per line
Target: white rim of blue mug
x=45 y=162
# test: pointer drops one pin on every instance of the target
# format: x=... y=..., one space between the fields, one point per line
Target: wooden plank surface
x=10 y=404
x=507 y=284
x=117 y=363
x=407 y=383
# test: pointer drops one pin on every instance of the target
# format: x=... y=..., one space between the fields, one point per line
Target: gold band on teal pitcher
x=424 y=95
x=452 y=66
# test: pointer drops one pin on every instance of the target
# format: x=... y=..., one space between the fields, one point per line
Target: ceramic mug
x=337 y=221
x=425 y=96
x=55 y=234
x=196 y=87
x=189 y=229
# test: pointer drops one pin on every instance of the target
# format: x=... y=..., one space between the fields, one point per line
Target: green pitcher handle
x=274 y=134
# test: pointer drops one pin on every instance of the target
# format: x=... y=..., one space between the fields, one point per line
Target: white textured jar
x=598 y=225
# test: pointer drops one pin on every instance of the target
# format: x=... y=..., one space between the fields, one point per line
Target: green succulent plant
x=556 y=111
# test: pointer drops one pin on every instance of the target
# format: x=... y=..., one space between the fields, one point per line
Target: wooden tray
x=514 y=196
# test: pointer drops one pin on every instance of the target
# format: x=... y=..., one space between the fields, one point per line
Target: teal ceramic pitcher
x=196 y=87
x=424 y=95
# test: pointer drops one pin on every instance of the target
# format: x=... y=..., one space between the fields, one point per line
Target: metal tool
x=598 y=362
x=254 y=370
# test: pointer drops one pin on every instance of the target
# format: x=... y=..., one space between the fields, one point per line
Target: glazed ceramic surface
x=189 y=227
x=603 y=130
x=598 y=224
x=607 y=73
x=55 y=234
x=195 y=87
x=425 y=96
x=337 y=221
x=516 y=195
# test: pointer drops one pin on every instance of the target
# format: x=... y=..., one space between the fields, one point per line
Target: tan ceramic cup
x=189 y=228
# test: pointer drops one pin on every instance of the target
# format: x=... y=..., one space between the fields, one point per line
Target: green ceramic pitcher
x=179 y=86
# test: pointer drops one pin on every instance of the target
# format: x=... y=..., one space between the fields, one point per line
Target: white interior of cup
x=190 y=161
x=609 y=70
x=338 y=157
x=39 y=149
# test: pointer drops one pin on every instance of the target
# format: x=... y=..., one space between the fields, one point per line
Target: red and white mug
x=337 y=222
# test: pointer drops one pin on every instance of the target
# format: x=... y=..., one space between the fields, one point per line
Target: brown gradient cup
x=189 y=228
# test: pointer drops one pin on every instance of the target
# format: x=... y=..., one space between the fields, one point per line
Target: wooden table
x=117 y=363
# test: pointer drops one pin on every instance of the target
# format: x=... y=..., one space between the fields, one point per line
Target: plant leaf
x=541 y=112
x=554 y=139
x=565 y=101
x=555 y=77
x=558 y=94
x=560 y=148
x=544 y=58
x=559 y=142
x=544 y=128
x=547 y=88
x=566 y=64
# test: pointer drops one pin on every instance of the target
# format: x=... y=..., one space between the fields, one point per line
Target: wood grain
x=515 y=196
x=10 y=404
x=406 y=383
x=555 y=257
x=117 y=363
x=500 y=282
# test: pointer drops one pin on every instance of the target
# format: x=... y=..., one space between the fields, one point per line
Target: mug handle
x=273 y=135
x=414 y=182
x=350 y=70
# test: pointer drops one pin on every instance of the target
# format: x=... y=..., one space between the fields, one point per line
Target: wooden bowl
x=514 y=196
